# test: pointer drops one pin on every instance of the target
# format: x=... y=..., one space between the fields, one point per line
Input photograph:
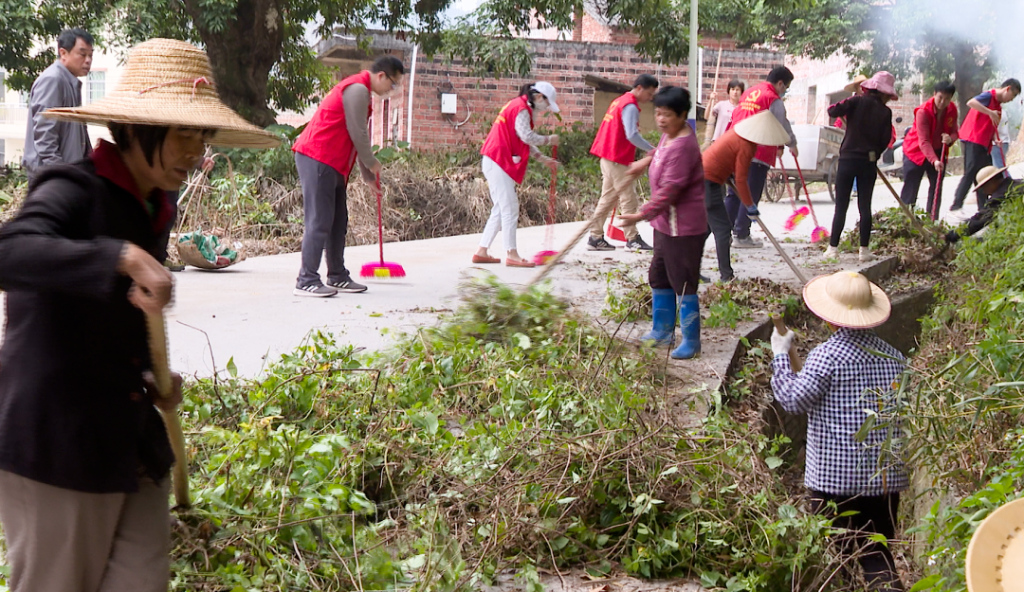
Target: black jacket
x=73 y=410
x=868 y=127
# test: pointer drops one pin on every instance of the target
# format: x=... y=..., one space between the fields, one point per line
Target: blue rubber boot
x=689 y=322
x=664 y=314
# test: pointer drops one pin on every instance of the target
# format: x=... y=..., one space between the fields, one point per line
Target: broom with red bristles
x=549 y=233
x=798 y=214
x=819 y=233
x=381 y=269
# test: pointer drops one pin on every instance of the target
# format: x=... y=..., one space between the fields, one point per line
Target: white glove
x=781 y=343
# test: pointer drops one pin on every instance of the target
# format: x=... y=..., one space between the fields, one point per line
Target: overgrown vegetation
x=515 y=435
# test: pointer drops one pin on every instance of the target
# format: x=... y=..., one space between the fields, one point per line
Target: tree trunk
x=971 y=71
x=242 y=54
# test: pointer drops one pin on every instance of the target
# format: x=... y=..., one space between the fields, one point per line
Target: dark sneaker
x=745 y=243
x=704 y=279
x=637 y=244
x=347 y=286
x=315 y=291
x=599 y=244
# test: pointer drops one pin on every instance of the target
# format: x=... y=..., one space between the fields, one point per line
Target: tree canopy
x=262 y=59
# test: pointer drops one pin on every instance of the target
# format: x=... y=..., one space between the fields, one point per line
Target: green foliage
x=628 y=298
x=515 y=435
x=965 y=399
x=724 y=312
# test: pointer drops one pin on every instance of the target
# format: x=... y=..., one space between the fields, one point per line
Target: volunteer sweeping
x=868 y=134
x=676 y=212
x=616 y=143
x=934 y=129
x=506 y=153
x=851 y=374
x=998 y=187
x=84 y=456
x=976 y=134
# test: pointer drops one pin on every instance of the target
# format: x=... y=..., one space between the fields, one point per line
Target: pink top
x=677 y=188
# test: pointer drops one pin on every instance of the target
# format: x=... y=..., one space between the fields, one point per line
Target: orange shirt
x=730 y=156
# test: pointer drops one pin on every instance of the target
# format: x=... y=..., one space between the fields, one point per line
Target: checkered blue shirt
x=841 y=381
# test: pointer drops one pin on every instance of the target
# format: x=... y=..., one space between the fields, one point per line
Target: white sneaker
x=865 y=254
x=960 y=214
x=831 y=253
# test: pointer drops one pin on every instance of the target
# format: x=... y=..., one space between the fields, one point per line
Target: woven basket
x=191 y=256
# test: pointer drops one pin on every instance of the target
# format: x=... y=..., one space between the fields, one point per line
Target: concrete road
x=248 y=313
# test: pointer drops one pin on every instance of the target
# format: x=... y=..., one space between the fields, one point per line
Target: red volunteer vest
x=912 y=143
x=326 y=138
x=977 y=126
x=755 y=100
x=611 y=143
x=503 y=143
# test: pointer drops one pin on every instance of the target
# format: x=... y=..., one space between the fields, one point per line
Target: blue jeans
x=998 y=153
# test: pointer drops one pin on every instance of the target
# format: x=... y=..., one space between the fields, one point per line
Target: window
x=97 y=86
x=812 y=103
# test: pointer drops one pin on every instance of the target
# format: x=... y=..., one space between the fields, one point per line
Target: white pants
x=505 y=213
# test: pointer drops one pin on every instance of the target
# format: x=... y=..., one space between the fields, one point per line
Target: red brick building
x=587 y=75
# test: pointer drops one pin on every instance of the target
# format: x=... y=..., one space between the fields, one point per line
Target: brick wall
x=564 y=64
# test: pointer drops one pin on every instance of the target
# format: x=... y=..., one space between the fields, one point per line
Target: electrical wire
x=447 y=87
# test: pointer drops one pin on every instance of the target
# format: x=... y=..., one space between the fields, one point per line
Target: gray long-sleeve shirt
x=356 y=100
x=48 y=141
x=631 y=125
x=778 y=109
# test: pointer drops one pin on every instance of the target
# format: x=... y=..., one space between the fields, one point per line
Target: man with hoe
x=325 y=154
x=933 y=131
x=48 y=141
x=616 y=143
x=976 y=134
x=766 y=96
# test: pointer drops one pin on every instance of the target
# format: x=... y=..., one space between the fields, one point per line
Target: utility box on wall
x=448 y=103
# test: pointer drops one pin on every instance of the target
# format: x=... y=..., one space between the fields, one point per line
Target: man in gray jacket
x=48 y=141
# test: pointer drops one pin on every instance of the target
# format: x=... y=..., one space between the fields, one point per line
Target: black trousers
x=676 y=263
x=912 y=175
x=719 y=225
x=757 y=176
x=976 y=157
x=325 y=209
x=865 y=172
x=869 y=515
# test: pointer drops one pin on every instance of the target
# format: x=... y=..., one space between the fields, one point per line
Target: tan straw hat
x=170 y=83
x=995 y=557
x=855 y=85
x=847 y=299
x=762 y=129
x=985 y=175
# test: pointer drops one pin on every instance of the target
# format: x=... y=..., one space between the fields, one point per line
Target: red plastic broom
x=381 y=269
x=819 y=233
x=549 y=233
x=798 y=214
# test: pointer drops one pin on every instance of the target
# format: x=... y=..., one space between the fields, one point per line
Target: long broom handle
x=162 y=376
x=796 y=270
x=807 y=193
x=999 y=144
x=938 y=185
x=794 y=356
x=380 y=222
x=906 y=210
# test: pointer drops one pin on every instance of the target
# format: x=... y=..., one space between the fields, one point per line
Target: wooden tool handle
x=794 y=357
x=162 y=376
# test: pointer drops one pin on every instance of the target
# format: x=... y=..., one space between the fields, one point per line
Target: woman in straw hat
x=730 y=156
x=869 y=132
x=84 y=456
x=676 y=212
x=844 y=381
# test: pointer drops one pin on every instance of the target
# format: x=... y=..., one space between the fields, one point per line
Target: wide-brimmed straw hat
x=854 y=86
x=762 y=129
x=847 y=299
x=883 y=82
x=170 y=83
x=995 y=556
x=985 y=175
